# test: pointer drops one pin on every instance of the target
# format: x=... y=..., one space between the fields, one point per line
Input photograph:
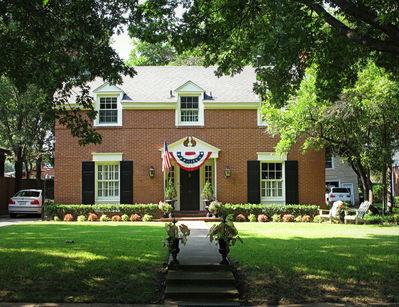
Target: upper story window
x=108 y=111
x=189 y=109
x=329 y=159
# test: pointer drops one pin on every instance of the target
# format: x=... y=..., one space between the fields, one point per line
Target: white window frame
x=275 y=198
x=114 y=198
x=261 y=121
x=200 y=121
x=332 y=162
x=272 y=157
x=118 y=109
x=101 y=158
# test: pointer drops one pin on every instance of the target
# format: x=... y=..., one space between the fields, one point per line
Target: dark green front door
x=189 y=190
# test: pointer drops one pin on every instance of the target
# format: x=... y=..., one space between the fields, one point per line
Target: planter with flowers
x=226 y=235
x=207 y=196
x=170 y=194
x=166 y=208
x=176 y=234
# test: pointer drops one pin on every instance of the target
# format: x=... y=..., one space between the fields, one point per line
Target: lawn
x=288 y=263
x=108 y=262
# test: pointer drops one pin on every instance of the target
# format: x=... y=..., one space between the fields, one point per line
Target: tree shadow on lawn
x=111 y=263
x=304 y=270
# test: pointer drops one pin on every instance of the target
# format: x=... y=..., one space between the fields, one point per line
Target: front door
x=189 y=190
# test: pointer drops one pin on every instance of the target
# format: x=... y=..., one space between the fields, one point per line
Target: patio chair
x=333 y=213
x=359 y=213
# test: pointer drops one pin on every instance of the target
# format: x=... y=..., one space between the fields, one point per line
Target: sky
x=121 y=43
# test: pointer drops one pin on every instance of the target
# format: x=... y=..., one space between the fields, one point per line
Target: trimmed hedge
x=269 y=210
x=60 y=210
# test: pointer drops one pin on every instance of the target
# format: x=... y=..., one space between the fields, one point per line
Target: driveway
x=5 y=220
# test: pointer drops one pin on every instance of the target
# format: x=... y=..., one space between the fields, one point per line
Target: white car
x=26 y=201
x=334 y=194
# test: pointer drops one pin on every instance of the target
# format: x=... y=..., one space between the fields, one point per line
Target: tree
x=361 y=126
x=57 y=45
x=24 y=125
x=158 y=54
x=289 y=36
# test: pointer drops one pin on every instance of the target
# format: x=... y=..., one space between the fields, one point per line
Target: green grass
x=108 y=262
x=287 y=263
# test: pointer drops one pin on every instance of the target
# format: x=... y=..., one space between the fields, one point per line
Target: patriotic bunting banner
x=190 y=160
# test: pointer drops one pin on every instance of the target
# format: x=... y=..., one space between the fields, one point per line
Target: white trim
x=148 y=105
x=107 y=156
x=189 y=87
x=271 y=157
x=209 y=105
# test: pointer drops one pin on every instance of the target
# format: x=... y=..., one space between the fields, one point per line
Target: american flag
x=165 y=157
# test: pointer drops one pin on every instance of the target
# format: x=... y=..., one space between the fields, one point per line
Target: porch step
x=198 y=277
x=194 y=292
x=189 y=213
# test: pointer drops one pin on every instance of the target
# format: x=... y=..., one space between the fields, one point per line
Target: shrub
x=378 y=190
x=298 y=219
x=316 y=219
x=276 y=218
x=125 y=218
x=52 y=210
x=230 y=217
x=252 y=218
x=306 y=219
x=81 y=218
x=56 y=218
x=269 y=210
x=379 y=219
x=165 y=207
x=214 y=207
x=104 y=218
x=170 y=190
x=68 y=217
x=262 y=218
x=92 y=217
x=135 y=218
x=241 y=218
x=147 y=218
x=288 y=218
x=116 y=218
x=207 y=191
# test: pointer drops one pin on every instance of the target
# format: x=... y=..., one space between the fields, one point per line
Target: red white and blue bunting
x=190 y=160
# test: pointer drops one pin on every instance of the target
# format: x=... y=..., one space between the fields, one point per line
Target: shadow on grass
x=106 y=263
x=300 y=270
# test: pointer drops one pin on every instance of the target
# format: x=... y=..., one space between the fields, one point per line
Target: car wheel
x=13 y=215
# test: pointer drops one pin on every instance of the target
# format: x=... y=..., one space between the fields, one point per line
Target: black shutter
x=291 y=182
x=88 y=183
x=126 y=195
x=253 y=181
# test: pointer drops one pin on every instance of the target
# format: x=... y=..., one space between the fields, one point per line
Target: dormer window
x=189 y=109
x=108 y=111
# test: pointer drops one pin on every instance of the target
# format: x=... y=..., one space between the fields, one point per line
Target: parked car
x=26 y=201
x=334 y=194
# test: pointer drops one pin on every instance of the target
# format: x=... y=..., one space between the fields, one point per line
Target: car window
x=28 y=194
x=340 y=190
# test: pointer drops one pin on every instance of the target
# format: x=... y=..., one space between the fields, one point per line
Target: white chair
x=332 y=214
x=359 y=213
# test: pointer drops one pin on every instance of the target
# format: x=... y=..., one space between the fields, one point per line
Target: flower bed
x=50 y=211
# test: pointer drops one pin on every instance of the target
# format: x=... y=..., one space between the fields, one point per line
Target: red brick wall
x=234 y=132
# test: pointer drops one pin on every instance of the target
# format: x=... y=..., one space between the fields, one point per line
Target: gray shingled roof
x=154 y=83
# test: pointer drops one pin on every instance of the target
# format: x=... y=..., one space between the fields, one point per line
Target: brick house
x=214 y=133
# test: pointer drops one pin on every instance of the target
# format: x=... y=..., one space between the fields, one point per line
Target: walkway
x=199 y=279
x=5 y=220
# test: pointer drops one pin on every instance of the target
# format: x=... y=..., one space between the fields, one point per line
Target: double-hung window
x=271 y=180
x=108 y=181
x=189 y=109
x=108 y=111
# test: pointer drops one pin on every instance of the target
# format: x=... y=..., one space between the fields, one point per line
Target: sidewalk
x=198 y=250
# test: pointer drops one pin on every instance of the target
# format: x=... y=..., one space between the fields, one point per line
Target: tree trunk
x=18 y=170
x=384 y=190
x=389 y=191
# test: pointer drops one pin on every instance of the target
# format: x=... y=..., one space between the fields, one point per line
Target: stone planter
x=172 y=203
x=207 y=203
x=224 y=250
x=174 y=249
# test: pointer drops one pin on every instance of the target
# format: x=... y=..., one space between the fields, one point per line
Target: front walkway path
x=198 y=250
x=5 y=220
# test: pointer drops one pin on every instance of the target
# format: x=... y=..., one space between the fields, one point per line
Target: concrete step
x=194 y=292
x=188 y=218
x=232 y=302
x=200 y=278
x=201 y=268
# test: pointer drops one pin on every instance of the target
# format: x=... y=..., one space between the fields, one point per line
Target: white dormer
x=108 y=105
x=190 y=106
